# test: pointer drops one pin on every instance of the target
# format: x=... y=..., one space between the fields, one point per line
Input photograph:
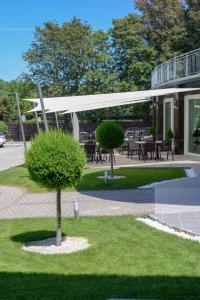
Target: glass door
x=194 y=126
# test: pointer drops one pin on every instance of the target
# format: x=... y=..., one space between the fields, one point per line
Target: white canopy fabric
x=72 y=104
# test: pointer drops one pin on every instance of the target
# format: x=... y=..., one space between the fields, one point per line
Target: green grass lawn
x=135 y=177
x=127 y=259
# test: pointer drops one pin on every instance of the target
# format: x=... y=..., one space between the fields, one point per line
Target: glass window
x=194 y=126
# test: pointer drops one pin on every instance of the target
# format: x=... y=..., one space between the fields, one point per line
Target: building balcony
x=176 y=71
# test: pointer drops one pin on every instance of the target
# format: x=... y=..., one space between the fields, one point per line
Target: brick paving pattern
x=16 y=203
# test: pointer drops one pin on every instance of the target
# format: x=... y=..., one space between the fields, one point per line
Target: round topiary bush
x=3 y=127
x=55 y=160
x=110 y=136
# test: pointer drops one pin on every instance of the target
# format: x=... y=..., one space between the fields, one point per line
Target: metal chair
x=148 y=147
x=134 y=149
x=90 y=150
x=167 y=147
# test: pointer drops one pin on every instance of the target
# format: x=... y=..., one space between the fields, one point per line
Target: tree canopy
x=74 y=59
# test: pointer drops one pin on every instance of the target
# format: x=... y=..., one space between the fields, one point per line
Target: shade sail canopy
x=72 y=104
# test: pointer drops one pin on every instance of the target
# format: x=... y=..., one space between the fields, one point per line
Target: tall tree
x=60 y=55
x=192 y=24
x=134 y=58
x=164 y=26
x=101 y=76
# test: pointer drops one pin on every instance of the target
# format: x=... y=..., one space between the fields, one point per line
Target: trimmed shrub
x=55 y=160
x=110 y=136
x=3 y=127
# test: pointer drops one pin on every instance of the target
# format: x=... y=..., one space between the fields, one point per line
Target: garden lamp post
x=20 y=121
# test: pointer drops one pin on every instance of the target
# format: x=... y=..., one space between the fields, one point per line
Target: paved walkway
x=177 y=203
x=17 y=203
x=11 y=155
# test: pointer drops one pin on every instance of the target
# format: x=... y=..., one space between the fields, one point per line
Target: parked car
x=2 y=139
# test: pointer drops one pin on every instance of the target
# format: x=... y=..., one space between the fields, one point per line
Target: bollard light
x=76 y=209
x=106 y=176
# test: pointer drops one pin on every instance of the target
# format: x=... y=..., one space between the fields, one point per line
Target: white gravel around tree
x=48 y=246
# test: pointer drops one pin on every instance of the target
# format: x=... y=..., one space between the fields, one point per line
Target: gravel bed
x=165 y=228
x=48 y=246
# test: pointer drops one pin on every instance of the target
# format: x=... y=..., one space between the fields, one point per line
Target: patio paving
x=177 y=204
x=17 y=203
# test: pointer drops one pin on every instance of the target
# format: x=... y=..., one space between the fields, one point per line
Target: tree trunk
x=58 y=219
x=111 y=162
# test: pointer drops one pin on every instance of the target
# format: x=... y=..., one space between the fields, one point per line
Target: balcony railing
x=179 y=67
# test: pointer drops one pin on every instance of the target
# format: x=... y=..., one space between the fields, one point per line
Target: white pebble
x=165 y=228
x=48 y=246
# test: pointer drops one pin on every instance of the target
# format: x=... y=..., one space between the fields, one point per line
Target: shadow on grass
x=30 y=236
x=34 y=286
x=111 y=190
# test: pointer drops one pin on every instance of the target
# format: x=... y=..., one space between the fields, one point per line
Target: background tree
x=163 y=25
x=3 y=127
x=110 y=136
x=8 y=108
x=192 y=23
x=55 y=160
x=133 y=57
x=59 y=57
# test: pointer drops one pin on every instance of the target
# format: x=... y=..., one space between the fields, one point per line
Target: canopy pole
x=43 y=108
x=75 y=126
x=56 y=116
x=37 y=123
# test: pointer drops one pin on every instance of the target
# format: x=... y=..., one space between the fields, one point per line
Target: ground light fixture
x=76 y=209
x=106 y=176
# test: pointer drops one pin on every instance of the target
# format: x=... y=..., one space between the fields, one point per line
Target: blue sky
x=18 y=18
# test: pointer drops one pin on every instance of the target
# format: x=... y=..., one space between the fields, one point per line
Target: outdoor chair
x=90 y=150
x=148 y=148
x=124 y=148
x=167 y=147
x=134 y=149
x=84 y=136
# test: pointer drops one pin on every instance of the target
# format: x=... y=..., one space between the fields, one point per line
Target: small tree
x=3 y=127
x=55 y=160
x=110 y=136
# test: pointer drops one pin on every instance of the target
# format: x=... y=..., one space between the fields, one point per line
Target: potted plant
x=170 y=134
x=152 y=132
